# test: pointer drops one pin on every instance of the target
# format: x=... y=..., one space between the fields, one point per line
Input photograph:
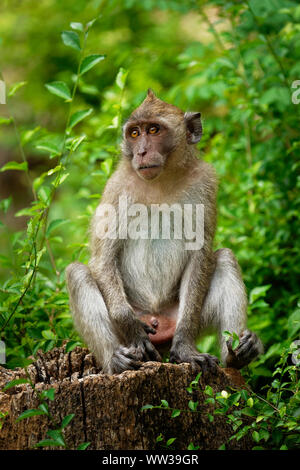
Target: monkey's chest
x=151 y=271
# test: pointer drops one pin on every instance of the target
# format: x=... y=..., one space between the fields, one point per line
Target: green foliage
x=272 y=421
x=70 y=85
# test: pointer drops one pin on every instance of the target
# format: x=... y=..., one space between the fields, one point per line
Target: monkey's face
x=156 y=136
x=148 y=143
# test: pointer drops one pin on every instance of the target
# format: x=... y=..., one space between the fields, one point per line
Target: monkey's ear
x=150 y=94
x=193 y=126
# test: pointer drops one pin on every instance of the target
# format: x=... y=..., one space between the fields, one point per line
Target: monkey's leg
x=93 y=323
x=190 y=321
x=225 y=307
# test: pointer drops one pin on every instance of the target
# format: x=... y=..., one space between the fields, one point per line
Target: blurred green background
x=233 y=61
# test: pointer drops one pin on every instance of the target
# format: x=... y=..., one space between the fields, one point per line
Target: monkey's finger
x=148 y=329
x=229 y=346
x=152 y=352
x=249 y=351
x=207 y=362
x=120 y=363
x=247 y=342
x=244 y=338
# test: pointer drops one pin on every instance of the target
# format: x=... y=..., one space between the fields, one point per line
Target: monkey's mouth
x=149 y=172
x=146 y=167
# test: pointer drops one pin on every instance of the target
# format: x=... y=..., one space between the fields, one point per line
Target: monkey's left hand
x=140 y=346
x=187 y=353
x=248 y=349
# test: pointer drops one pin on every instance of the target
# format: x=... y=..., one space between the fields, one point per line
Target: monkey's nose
x=154 y=322
x=142 y=153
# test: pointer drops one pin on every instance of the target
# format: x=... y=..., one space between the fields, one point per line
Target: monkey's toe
x=248 y=349
x=124 y=359
x=206 y=363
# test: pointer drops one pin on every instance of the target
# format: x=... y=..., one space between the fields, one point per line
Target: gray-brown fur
x=125 y=277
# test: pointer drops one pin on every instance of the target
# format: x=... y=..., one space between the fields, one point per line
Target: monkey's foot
x=131 y=358
x=124 y=359
x=204 y=362
x=248 y=349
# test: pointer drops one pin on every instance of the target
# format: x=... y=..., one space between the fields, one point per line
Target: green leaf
x=57 y=436
x=294 y=323
x=30 y=413
x=4 y=120
x=170 y=441
x=76 y=142
x=258 y=292
x=210 y=401
x=83 y=446
x=15 y=88
x=226 y=334
x=90 y=23
x=44 y=408
x=175 y=413
x=147 y=407
x=121 y=78
x=28 y=135
x=54 y=224
x=71 y=39
x=193 y=405
x=48 y=334
x=79 y=116
x=48 y=443
x=255 y=436
x=15 y=382
x=71 y=345
x=208 y=390
x=250 y=403
x=192 y=447
x=50 y=147
x=106 y=166
x=67 y=419
x=49 y=394
x=164 y=403
x=89 y=62
x=60 y=89
x=5 y=204
x=14 y=166
x=61 y=179
x=196 y=380
x=77 y=26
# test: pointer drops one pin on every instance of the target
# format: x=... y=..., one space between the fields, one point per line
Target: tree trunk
x=108 y=408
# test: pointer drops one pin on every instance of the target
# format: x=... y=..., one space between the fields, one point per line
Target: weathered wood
x=108 y=408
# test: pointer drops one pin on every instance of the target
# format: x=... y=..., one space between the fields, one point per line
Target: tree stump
x=108 y=408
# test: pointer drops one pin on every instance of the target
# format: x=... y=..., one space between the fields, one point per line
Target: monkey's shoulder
x=204 y=172
x=203 y=180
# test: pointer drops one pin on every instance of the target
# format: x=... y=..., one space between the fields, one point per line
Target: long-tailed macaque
x=141 y=294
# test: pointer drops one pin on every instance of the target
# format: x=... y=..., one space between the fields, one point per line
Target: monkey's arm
x=197 y=277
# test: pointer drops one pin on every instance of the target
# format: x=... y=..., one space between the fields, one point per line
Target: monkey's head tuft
x=156 y=136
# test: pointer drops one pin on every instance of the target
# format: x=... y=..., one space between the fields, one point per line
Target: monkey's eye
x=153 y=129
x=134 y=133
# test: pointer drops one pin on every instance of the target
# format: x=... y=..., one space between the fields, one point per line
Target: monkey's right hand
x=138 y=348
